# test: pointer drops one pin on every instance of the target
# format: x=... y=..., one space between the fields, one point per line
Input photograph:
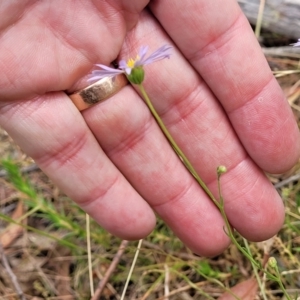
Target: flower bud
x=137 y=75
x=221 y=170
x=272 y=262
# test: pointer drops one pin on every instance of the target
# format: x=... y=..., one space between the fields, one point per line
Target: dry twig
x=285 y=51
x=284 y=182
x=110 y=270
x=11 y=274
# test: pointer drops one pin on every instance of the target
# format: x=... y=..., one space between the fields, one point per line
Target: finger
x=217 y=40
x=200 y=127
x=133 y=141
x=48 y=47
x=52 y=131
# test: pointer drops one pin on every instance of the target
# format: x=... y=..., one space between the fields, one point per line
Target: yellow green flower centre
x=131 y=62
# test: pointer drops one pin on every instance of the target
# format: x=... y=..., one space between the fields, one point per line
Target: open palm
x=216 y=95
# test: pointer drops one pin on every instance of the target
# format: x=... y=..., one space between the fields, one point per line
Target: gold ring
x=98 y=91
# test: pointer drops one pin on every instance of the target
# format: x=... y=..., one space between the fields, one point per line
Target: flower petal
x=296 y=44
x=123 y=66
x=161 y=53
x=142 y=52
x=105 y=72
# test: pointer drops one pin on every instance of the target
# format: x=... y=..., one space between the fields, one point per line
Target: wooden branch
x=280 y=16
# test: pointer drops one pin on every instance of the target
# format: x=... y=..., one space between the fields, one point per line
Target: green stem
x=220 y=205
x=176 y=148
x=261 y=287
x=188 y=165
x=229 y=229
x=281 y=284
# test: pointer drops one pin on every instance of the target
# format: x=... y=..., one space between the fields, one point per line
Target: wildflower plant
x=133 y=69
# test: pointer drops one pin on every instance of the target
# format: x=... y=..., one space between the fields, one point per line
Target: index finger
x=218 y=41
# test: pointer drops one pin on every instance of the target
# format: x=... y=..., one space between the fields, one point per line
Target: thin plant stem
x=260 y=284
x=29 y=213
x=246 y=251
x=131 y=268
x=88 y=242
x=187 y=163
x=229 y=229
x=176 y=148
x=259 y=18
x=281 y=284
x=42 y=233
x=220 y=204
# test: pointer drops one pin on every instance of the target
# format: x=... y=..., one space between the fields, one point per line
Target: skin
x=216 y=94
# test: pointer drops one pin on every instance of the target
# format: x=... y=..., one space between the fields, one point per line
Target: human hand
x=216 y=95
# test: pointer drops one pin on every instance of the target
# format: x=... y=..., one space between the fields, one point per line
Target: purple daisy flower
x=126 y=67
x=296 y=44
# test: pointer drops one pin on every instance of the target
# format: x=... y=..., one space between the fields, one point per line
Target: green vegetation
x=53 y=249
